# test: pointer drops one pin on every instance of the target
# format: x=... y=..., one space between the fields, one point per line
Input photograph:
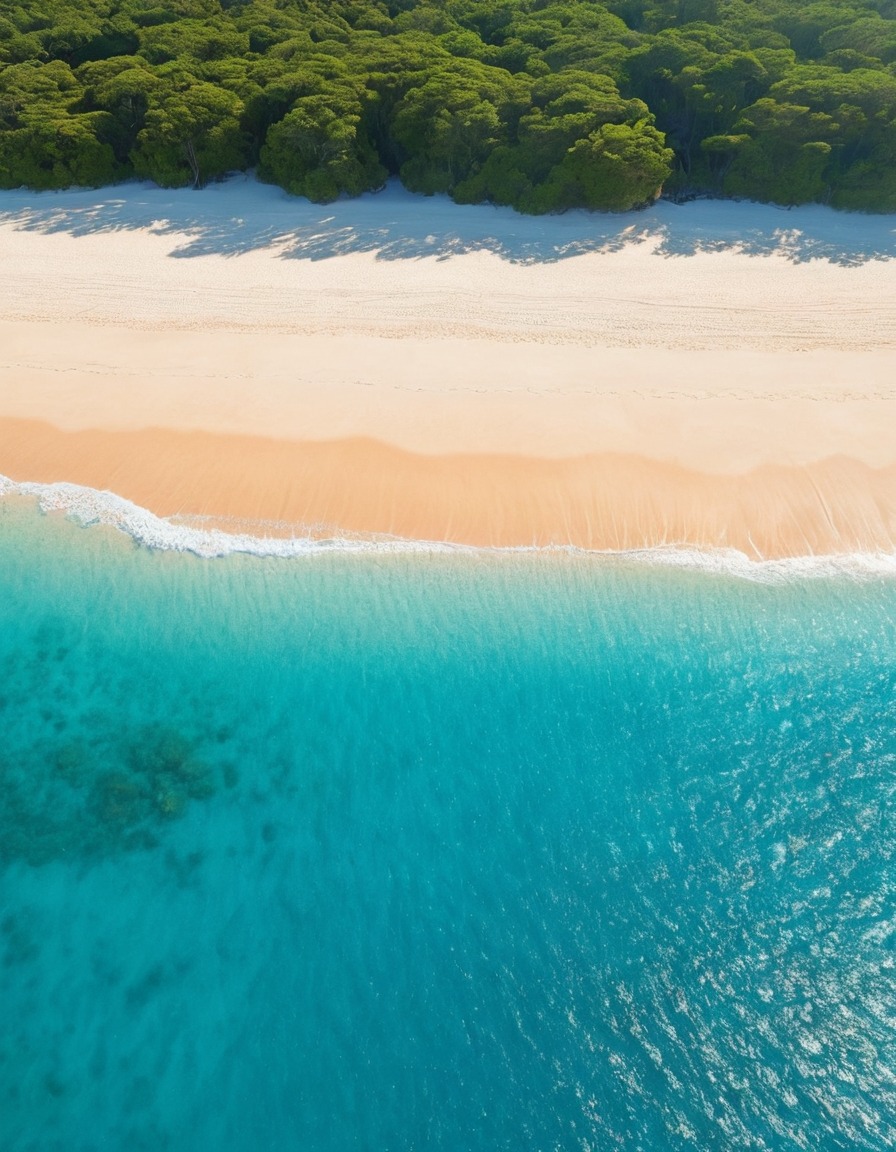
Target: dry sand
x=621 y=397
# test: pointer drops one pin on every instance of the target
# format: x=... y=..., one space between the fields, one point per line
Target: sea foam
x=88 y=506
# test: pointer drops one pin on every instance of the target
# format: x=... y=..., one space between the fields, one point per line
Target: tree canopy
x=539 y=104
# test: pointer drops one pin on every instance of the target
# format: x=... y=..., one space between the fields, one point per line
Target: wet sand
x=364 y=487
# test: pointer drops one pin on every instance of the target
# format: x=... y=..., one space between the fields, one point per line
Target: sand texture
x=710 y=375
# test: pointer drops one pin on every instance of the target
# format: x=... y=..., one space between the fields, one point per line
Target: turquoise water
x=440 y=852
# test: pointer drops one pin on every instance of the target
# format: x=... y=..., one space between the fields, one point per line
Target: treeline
x=540 y=104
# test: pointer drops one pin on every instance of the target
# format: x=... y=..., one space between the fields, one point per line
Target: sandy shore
x=700 y=375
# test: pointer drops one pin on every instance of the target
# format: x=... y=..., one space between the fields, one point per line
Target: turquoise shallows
x=440 y=852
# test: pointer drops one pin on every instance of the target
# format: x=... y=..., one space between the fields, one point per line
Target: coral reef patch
x=97 y=796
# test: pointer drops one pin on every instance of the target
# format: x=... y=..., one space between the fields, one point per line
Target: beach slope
x=710 y=375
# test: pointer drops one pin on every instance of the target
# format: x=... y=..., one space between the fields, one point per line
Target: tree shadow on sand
x=241 y=215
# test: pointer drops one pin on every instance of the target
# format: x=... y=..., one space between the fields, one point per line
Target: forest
x=540 y=104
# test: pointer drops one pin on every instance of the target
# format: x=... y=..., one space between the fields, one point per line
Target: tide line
x=89 y=507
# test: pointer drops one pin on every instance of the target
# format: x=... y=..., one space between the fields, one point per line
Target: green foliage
x=318 y=150
x=57 y=154
x=45 y=142
x=617 y=167
x=450 y=123
x=191 y=134
x=540 y=104
x=193 y=40
x=580 y=145
x=123 y=87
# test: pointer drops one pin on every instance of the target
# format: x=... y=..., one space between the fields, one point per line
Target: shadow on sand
x=240 y=215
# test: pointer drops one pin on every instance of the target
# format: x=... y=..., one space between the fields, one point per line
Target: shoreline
x=87 y=508
x=361 y=488
x=396 y=367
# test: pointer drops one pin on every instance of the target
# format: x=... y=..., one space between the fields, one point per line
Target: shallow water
x=440 y=851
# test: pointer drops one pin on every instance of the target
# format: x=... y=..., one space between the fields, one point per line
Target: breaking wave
x=88 y=506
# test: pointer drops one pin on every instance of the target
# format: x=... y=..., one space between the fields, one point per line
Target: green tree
x=614 y=169
x=782 y=154
x=568 y=107
x=191 y=134
x=448 y=125
x=319 y=150
x=45 y=142
x=57 y=153
x=580 y=145
x=124 y=87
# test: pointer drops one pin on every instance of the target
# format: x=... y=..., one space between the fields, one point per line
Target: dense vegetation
x=542 y=104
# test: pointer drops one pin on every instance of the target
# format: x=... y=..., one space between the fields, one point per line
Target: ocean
x=393 y=850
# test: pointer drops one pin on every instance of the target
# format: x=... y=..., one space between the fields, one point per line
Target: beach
x=448 y=675
x=708 y=375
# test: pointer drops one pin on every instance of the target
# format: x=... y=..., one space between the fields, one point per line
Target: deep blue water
x=440 y=852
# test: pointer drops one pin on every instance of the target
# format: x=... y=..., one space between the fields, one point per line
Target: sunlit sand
x=710 y=375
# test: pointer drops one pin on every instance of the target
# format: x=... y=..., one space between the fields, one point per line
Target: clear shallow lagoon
x=440 y=852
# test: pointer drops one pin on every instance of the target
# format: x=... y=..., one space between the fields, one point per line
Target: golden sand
x=605 y=501
x=612 y=400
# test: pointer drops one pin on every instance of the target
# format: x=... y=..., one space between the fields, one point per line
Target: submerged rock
x=88 y=799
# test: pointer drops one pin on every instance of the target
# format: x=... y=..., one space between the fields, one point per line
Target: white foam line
x=87 y=506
